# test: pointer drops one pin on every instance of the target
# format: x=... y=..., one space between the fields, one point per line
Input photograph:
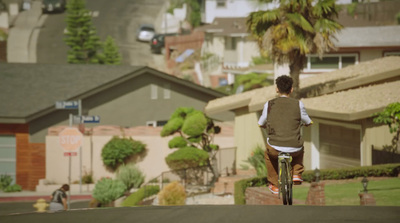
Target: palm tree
x=293 y=30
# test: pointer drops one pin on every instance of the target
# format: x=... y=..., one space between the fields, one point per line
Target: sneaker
x=273 y=189
x=297 y=179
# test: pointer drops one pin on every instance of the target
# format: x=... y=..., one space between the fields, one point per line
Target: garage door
x=8 y=156
x=339 y=146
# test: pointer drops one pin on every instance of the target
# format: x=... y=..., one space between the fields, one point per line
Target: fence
x=198 y=180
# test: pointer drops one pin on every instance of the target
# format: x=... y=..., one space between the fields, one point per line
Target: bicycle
x=285 y=178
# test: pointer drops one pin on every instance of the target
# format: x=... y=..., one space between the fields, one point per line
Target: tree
x=293 y=30
x=193 y=15
x=81 y=35
x=111 y=53
x=391 y=117
x=195 y=136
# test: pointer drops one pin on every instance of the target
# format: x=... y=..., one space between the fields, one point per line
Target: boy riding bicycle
x=283 y=117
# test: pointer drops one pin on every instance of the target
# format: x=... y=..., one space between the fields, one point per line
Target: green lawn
x=386 y=192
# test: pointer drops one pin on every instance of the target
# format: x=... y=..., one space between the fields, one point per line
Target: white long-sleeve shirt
x=304 y=118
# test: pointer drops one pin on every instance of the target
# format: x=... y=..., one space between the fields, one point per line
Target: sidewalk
x=33 y=196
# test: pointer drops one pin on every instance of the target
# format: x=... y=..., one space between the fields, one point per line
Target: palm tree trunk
x=295 y=74
x=296 y=66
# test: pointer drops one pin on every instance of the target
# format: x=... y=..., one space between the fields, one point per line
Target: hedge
x=139 y=195
x=384 y=170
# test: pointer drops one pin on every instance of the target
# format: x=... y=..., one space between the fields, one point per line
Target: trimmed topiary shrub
x=107 y=190
x=130 y=175
x=138 y=196
x=177 y=142
x=195 y=124
x=172 y=194
x=187 y=157
x=172 y=126
x=118 y=150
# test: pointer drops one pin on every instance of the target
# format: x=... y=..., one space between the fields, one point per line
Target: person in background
x=58 y=200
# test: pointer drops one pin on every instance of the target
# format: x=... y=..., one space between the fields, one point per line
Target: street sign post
x=86 y=119
x=67 y=104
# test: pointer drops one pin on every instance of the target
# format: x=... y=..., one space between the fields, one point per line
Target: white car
x=145 y=33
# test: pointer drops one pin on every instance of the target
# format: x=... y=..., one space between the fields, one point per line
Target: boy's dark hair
x=65 y=187
x=284 y=84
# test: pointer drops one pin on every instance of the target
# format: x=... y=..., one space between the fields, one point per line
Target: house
x=227 y=38
x=341 y=103
x=125 y=96
x=211 y=9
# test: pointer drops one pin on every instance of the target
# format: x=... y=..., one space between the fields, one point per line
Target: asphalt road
x=118 y=19
x=217 y=214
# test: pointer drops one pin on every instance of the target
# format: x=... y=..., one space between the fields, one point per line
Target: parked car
x=157 y=43
x=145 y=32
x=53 y=6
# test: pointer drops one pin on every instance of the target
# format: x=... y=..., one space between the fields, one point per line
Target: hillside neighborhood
x=341 y=91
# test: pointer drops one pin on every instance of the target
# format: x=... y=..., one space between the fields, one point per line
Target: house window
x=330 y=62
x=230 y=43
x=221 y=3
x=167 y=91
x=156 y=123
x=154 y=92
x=386 y=54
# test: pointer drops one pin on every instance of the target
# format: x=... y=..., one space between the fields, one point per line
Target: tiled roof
x=374 y=36
x=354 y=104
x=226 y=26
x=363 y=74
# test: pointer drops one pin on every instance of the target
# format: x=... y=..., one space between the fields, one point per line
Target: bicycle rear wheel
x=286 y=187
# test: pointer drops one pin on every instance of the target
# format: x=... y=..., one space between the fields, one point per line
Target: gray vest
x=283 y=122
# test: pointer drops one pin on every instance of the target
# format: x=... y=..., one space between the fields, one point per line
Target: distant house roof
x=226 y=27
x=363 y=74
x=28 y=91
x=374 y=36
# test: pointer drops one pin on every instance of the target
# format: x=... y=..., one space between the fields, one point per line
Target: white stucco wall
x=233 y=9
x=247 y=136
x=152 y=165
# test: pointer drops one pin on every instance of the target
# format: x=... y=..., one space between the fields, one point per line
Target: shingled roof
x=28 y=91
x=364 y=74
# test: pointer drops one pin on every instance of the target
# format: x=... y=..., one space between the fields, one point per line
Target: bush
x=187 y=157
x=138 y=196
x=172 y=194
x=130 y=175
x=177 y=142
x=242 y=185
x=5 y=181
x=13 y=188
x=257 y=160
x=107 y=190
x=172 y=126
x=195 y=124
x=384 y=170
x=118 y=150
